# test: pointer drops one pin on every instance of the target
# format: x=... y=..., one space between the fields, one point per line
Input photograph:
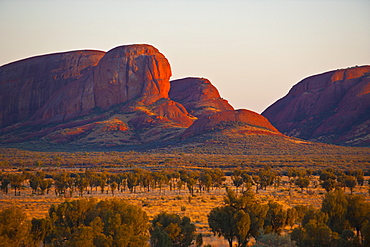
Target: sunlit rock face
x=26 y=85
x=221 y=119
x=332 y=107
x=198 y=96
x=131 y=72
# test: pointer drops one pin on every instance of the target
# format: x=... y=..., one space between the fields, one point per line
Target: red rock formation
x=116 y=98
x=26 y=85
x=212 y=121
x=326 y=107
x=131 y=72
x=198 y=96
x=175 y=112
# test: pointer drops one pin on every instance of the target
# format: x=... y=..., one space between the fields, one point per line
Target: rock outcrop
x=119 y=98
x=133 y=72
x=198 y=96
x=220 y=120
x=332 y=107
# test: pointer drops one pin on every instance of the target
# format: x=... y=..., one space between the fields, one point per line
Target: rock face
x=26 y=85
x=131 y=72
x=120 y=98
x=198 y=96
x=221 y=119
x=332 y=107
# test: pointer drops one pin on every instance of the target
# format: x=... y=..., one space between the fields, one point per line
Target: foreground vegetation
x=300 y=200
x=342 y=220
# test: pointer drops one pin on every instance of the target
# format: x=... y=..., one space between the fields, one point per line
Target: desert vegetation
x=285 y=199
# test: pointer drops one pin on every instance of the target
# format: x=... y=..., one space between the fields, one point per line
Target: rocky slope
x=121 y=98
x=332 y=107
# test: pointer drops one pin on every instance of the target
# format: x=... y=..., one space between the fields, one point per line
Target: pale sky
x=253 y=51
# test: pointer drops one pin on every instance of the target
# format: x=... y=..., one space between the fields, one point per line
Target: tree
x=358 y=211
x=14 y=228
x=40 y=228
x=230 y=223
x=366 y=233
x=291 y=217
x=113 y=187
x=359 y=175
x=328 y=185
x=87 y=222
x=160 y=238
x=334 y=205
x=5 y=181
x=171 y=230
x=16 y=181
x=242 y=218
x=302 y=182
x=350 y=182
x=266 y=177
x=237 y=178
x=313 y=234
x=199 y=240
x=275 y=218
x=274 y=240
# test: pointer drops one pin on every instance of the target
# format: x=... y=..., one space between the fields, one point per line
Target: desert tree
x=5 y=181
x=40 y=228
x=87 y=222
x=241 y=218
x=291 y=217
x=247 y=180
x=350 y=182
x=16 y=181
x=14 y=228
x=172 y=230
x=236 y=178
x=276 y=218
x=334 y=205
x=230 y=223
x=199 y=240
x=266 y=177
x=274 y=240
x=302 y=182
x=357 y=213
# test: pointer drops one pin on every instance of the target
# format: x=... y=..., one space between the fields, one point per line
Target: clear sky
x=253 y=51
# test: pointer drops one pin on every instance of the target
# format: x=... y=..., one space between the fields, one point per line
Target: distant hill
x=333 y=107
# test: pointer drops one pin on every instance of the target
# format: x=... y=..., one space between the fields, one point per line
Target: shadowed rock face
x=198 y=96
x=333 y=107
x=26 y=85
